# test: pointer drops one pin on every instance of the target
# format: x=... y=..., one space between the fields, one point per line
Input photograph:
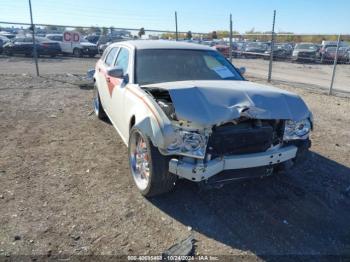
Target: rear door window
x=111 y=56
x=123 y=59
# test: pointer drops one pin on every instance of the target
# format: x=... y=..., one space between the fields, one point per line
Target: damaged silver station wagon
x=185 y=111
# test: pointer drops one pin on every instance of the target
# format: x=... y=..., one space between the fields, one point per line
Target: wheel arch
x=146 y=115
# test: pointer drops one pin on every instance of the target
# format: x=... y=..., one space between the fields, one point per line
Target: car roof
x=162 y=44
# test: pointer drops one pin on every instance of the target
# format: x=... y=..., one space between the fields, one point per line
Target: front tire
x=148 y=167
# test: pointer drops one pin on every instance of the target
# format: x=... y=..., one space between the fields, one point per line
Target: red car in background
x=329 y=54
x=223 y=49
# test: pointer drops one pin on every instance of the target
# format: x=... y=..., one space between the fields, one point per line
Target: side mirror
x=116 y=72
x=242 y=70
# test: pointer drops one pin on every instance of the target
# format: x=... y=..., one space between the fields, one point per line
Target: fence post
x=272 y=45
x=176 y=33
x=231 y=38
x=334 y=66
x=35 y=55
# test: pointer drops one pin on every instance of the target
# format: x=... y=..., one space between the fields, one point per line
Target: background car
x=256 y=49
x=24 y=45
x=326 y=44
x=329 y=55
x=306 y=52
x=240 y=46
x=92 y=38
x=280 y=51
x=78 y=49
x=3 y=40
x=7 y=34
x=223 y=49
x=348 y=56
x=105 y=41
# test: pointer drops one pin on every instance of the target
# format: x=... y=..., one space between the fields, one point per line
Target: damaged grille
x=246 y=137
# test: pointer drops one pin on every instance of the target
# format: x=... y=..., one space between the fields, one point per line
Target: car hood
x=215 y=102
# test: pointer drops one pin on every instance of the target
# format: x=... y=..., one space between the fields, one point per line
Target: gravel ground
x=66 y=188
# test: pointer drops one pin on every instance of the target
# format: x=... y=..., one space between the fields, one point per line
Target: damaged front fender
x=160 y=137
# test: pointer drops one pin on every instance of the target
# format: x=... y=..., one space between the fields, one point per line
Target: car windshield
x=306 y=46
x=168 y=65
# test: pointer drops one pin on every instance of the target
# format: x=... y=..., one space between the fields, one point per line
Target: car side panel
x=100 y=76
x=149 y=117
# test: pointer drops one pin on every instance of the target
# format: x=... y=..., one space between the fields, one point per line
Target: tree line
x=251 y=35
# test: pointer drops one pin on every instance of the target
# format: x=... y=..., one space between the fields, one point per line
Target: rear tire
x=77 y=52
x=98 y=108
x=149 y=169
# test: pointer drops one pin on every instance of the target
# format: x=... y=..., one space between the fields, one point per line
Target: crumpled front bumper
x=202 y=171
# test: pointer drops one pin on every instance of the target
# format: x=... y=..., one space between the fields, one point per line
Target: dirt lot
x=66 y=189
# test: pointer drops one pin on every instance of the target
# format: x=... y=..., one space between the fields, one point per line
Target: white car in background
x=185 y=111
x=78 y=49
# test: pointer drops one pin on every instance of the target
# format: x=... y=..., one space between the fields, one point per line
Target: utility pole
x=176 y=33
x=231 y=38
x=35 y=54
x=272 y=46
x=334 y=66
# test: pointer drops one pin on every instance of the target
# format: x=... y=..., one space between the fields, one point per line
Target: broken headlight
x=297 y=129
x=189 y=144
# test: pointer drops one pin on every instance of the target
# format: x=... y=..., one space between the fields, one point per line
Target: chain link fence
x=319 y=61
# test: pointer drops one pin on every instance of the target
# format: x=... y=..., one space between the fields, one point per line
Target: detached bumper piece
x=199 y=172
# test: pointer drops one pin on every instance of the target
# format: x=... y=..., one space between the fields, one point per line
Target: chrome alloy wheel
x=139 y=161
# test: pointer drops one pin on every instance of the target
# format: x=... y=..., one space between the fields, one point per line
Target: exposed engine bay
x=163 y=99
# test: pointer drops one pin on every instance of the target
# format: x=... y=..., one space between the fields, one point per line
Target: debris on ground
x=183 y=248
x=17 y=237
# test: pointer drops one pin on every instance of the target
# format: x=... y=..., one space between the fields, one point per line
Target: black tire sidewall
x=101 y=113
x=158 y=167
x=77 y=52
